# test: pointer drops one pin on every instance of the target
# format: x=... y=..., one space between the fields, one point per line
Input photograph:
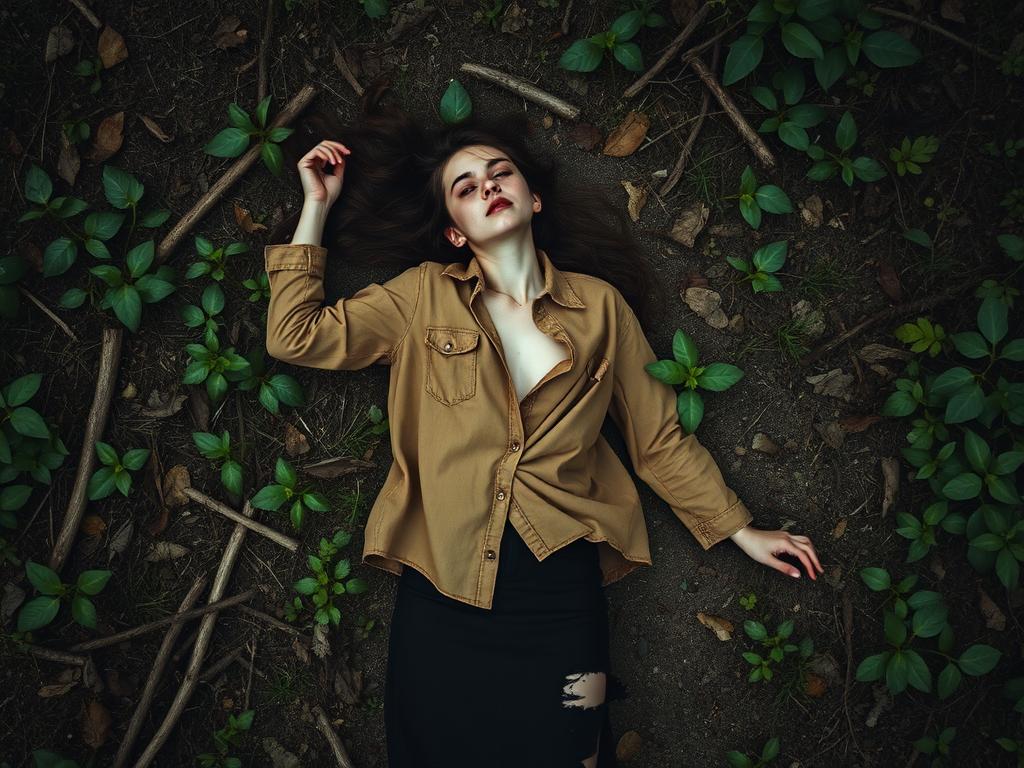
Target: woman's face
x=473 y=178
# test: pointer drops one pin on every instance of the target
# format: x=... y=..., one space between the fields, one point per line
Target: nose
x=491 y=188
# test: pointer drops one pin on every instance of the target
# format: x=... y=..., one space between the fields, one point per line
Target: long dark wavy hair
x=392 y=206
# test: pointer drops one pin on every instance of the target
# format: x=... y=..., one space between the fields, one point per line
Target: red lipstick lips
x=501 y=201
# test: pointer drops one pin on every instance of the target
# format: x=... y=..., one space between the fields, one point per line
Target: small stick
x=565 y=18
x=324 y=724
x=48 y=312
x=684 y=155
x=673 y=48
x=174 y=618
x=155 y=673
x=265 y=39
x=275 y=623
x=95 y=423
x=61 y=657
x=188 y=685
x=764 y=155
x=298 y=103
x=346 y=72
x=931 y=27
x=524 y=89
x=220 y=665
x=87 y=12
x=264 y=530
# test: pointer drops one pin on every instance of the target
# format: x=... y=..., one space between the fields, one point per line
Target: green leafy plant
x=259 y=287
x=909 y=156
x=586 y=55
x=748 y=601
x=761 y=269
x=831 y=33
x=42 y=610
x=90 y=68
x=863 y=81
x=922 y=335
x=1009 y=148
x=286 y=489
x=489 y=13
x=922 y=532
x=212 y=260
x=116 y=470
x=827 y=163
x=684 y=369
x=218 y=449
x=205 y=315
x=233 y=141
x=769 y=752
x=224 y=739
x=791 y=119
x=27 y=442
x=754 y=198
x=130 y=287
x=271 y=390
x=903 y=665
x=212 y=364
x=777 y=646
x=76 y=130
x=937 y=745
x=327 y=582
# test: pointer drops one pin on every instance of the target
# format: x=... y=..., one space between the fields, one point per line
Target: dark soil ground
x=689 y=701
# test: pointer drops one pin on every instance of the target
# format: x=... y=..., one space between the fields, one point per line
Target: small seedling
x=271 y=390
x=286 y=489
x=226 y=738
x=40 y=611
x=212 y=260
x=827 y=163
x=259 y=287
x=911 y=155
x=777 y=645
x=327 y=581
x=233 y=141
x=922 y=335
x=769 y=752
x=116 y=470
x=218 y=449
x=205 y=315
x=586 y=55
x=210 y=364
x=754 y=198
x=760 y=270
x=791 y=119
x=748 y=601
x=938 y=746
x=27 y=442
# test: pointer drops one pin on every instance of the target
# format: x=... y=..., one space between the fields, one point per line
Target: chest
x=529 y=352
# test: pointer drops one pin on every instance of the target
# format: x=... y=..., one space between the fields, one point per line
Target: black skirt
x=467 y=686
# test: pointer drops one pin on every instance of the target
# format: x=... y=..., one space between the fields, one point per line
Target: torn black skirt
x=468 y=687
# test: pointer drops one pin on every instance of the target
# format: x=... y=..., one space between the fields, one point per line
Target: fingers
x=805 y=543
x=786 y=568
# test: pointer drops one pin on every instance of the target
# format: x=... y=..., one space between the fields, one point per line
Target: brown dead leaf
x=199 y=407
x=585 y=136
x=229 y=34
x=764 y=444
x=160 y=405
x=708 y=305
x=244 y=220
x=815 y=686
x=175 y=481
x=832 y=383
x=111 y=47
x=890 y=281
x=689 y=223
x=637 y=199
x=59 y=42
x=994 y=617
x=855 y=423
x=68 y=163
x=119 y=541
x=831 y=433
x=628 y=746
x=328 y=469
x=95 y=724
x=109 y=138
x=166 y=550
x=891 y=476
x=627 y=136
x=93 y=525
x=811 y=211
x=156 y=130
x=723 y=628
x=840 y=528
x=875 y=353
x=295 y=443
x=66 y=680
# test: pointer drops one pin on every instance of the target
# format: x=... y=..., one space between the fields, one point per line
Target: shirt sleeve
x=353 y=333
x=675 y=465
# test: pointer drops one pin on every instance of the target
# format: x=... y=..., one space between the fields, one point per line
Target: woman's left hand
x=763 y=546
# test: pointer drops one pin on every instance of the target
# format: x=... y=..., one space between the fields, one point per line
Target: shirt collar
x=555 y=283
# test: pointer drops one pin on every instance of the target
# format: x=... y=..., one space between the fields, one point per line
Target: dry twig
x=324 y=724
x=684 y=154
x=264 y=530
x=931 y=27
x=524 y=89
x=673 y=48
x=48 y=312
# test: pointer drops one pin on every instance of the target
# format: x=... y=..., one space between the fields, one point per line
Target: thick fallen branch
x=264 y=530
x=524 y=89
x=764 y=155
x=298 y=103
x=937 y=30
x=155 y=673
x=188 y=685
x=324 y=724
x=670 y=53
x=174 y=618
x=95 y=424
x=684 y=154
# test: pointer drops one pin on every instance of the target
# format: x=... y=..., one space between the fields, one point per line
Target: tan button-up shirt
x=467 y=454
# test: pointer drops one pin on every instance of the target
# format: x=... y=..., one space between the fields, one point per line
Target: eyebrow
x=490 y=163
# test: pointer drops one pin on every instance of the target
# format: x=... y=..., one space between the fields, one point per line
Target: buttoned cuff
x=723 y=525
x=299 y=256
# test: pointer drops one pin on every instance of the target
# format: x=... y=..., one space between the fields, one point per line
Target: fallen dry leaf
x=175 y=481
x=513 y=19
x=13 y=597
x=627 y=136
x=832 y=383
x=68 y=162
x=109 y=138
x=295 y=443
x=890 y=281
x=831 y=433
x=875 y=353
x=708 y=306
x=59 y=42
x=199 y=407
x=93 y=525
x=279 y=756
x=166 y=550
x=994 y=617
x=854 y=423
x=228 y=34
x=811 y=211
x=637 y=199
x=761 y=442
x=628 y=746
x=723 y=628
x=689 y=223
x=328 y=469
x=815 y=686
x=160 y=405
x=111 y=47
x=811 y=320
x=585 y=136
x=156 y=130
x=244 y=220
x=119 y=541
x=95 y=724
x=840 y=528
x=66 y=680
x=891 y=476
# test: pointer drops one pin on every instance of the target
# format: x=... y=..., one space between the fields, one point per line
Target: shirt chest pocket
x=451 y=363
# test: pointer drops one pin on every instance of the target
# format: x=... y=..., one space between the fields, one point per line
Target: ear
x=536 y=203
x=455 y=237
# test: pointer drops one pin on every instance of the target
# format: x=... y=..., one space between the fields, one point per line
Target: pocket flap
x=452 y=341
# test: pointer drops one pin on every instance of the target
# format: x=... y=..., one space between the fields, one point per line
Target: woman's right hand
x=317 y=186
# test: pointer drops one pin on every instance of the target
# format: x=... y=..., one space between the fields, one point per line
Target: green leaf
x=154 y=218
x=38 y=186
x=106 y=453
x=262 y=109
x=139 y=259
x=1013 y=351
x=83 y=611
x=1007 y=462
x=771 y=257
x=813 y=10
x=830 y=67
x=873 y=667
x=216 y=386
x=918 y=674
x=745 y=54
x=230 y=142
x=127 y=306
x=93 y=582
x=27 y=422
x=316 y=501
x=800 y=42
x=929 y=620
x=887 y=50
x=121 y=188
x=101 y=484
x=14 y=497
x=690 y=408
x=231 y=476
x=966 y=485
x=978 y=660
x=967 y=403
x=684 y=349
x=846 y=132
x=287 y=389
x=43 y=578
x=152 y=289
x=285 y=474
x=970 y=345
x=748 y=181
x=239 y=118
x=992 y=320
x=59 y=256
x=718 y=377
x=794 y=136
x=751 y=212
x=629 y=56
x=209 y=445
x=456 y=105
x=270 y=497
x=772 y=199
x=135 y=458
x=22 y=389
x=866 y=169
x=306 y=586
x=1012 y=245
x=272 y=156
x=822 y=170
x=37 y=613
x=949 y=680
x=877 y=579
x=765 y=97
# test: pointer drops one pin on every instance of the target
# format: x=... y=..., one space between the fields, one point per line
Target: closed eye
x=470 y=186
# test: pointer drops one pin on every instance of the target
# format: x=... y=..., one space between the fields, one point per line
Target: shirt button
x=489 y=554
x=501 y=495
x=515 y=445
x=447 y=346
